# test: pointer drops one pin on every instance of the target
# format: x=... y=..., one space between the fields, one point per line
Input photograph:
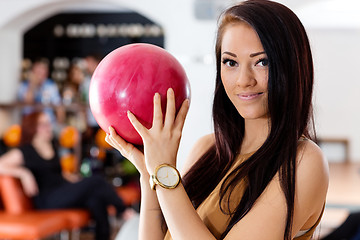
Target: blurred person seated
x=71 y=92
x=36 y=163
x=92 y=61
x=40 y=89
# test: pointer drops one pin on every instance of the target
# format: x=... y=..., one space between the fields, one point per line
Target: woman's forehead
x=241 y=37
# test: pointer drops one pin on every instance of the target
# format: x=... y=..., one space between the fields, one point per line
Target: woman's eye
x=262 y=62
x=229 y=62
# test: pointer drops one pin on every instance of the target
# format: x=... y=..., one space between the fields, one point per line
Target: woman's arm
x=312 y=180
x=151 y=219
x=152 y=225
x=161 y=143
x=11 y=163
x=179 y=196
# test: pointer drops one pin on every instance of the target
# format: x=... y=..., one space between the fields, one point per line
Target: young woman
x=37 y=165
x=259 y=175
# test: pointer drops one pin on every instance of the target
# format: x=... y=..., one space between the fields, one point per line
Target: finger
x=170 y=108
x=116 y=146
x=110 y=141
x=158 y=116
x=107 y=139
x=115 y=138
x=181 y=116
x=136 y=124
x=128 y=150
x=118 y=142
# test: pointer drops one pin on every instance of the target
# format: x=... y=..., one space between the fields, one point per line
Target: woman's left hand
x=161 y=141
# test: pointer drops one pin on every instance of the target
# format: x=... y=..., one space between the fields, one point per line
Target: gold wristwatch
x=165 y=176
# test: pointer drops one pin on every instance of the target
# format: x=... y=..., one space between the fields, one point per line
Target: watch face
x=167 y=176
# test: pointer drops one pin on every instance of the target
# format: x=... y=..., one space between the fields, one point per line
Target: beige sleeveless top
x=216 y=221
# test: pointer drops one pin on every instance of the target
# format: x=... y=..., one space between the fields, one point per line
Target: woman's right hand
x=129 y=151
x=28 y=183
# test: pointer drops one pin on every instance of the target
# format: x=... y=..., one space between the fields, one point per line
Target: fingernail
x=170 y=91
x=129 y=114
x=187 y=102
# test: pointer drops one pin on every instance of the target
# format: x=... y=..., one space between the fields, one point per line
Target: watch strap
x=152 y=182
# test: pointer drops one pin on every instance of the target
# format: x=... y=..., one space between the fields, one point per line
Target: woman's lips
x=249 y=96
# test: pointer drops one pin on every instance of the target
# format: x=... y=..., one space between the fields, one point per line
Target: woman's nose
x=245 y=77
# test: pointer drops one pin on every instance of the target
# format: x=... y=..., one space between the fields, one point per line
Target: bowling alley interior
x=59 y=44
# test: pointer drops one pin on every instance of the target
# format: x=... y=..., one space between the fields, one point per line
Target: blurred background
x=70 y=35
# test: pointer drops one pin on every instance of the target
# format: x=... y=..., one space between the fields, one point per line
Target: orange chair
x=17 y=206
x=30 y=225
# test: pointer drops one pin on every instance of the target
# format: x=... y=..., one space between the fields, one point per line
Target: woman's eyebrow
x=251 y=55
x=256 y=54
x=229 y=53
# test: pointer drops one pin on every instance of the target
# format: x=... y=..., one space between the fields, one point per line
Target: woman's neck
x=44 y=148
x=256 y=132
x=39 y=142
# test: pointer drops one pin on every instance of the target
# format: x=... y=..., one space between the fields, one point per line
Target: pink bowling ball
x=127 y=79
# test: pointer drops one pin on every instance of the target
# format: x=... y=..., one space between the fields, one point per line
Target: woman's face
x=40 y=71
x=76 y=75
x=244 y=70
x=44 y=127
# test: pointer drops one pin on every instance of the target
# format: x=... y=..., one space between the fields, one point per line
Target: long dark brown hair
x=29 y=124
x=290 y=86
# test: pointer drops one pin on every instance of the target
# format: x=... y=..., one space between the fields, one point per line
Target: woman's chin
x=254 y=116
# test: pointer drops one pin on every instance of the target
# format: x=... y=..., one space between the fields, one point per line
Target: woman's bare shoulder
x=199 y=148
x=312 y=166
x=311 y=158
x=312 y=179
